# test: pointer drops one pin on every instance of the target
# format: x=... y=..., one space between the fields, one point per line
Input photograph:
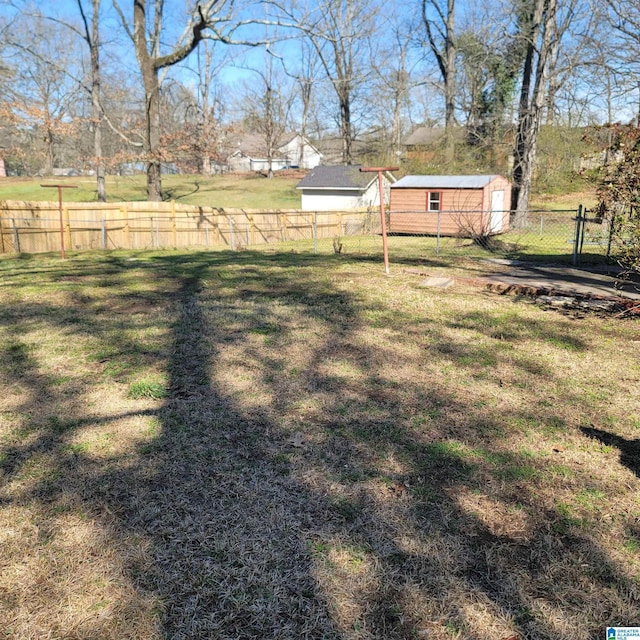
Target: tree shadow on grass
x=302 y=483
x=629 y=449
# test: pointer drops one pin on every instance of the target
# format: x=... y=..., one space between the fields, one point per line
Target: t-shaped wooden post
x=383 y=222
x=60 y=187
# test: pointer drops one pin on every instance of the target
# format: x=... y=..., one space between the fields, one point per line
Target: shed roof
x=443 y=182
x=339 y=177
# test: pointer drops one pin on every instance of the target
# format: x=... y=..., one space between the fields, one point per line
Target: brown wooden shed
x=450 y=205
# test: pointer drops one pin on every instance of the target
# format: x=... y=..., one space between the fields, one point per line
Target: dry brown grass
x=333 y=454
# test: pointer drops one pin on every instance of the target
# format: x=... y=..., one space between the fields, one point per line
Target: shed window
x=433 y=201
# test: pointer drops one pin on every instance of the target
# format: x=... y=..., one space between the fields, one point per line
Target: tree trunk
x=96 y=108
x=539 y=36
x=450 y=82
x=345 y=129
x=152 y=103
x=444 y=50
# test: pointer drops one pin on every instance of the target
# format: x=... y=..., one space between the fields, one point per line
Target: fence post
x=231 y=239
x=67 y=226
x=2 y=248
x=151 y=231
x=125 y=216
x=16 y=236
x=103 y=233
x=206 y=231
x=217 y=238
x=438 y=235
x=174 y=229
x=252 y=229
x=576 y=240
x=315 y=232
x=584 y=228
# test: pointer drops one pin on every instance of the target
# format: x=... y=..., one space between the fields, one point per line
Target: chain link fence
x=567 y=236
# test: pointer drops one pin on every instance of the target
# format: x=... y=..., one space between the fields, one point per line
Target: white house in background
x=292 y=151
x=340 y=188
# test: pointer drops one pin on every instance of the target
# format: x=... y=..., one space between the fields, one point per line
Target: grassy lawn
x=250 y=191
x=274 y=446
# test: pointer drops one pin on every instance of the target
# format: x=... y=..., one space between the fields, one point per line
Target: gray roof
x=254 y=145
x=424 y=136
x=339 y=177
x=443 y=182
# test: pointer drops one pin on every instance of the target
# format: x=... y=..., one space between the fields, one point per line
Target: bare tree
x=267 y=107
x=305 y=79
x=212 y=19
x=43 y=92
x=438 y=18
x=537 y=29
x=201 y=109
x=625 y=19
x=340 y=32
x=91 y=35
x=395 y=80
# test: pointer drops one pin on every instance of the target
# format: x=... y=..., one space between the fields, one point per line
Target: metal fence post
x=103 y=233
x=578 y=234
x=438 y=236
x=231 y=241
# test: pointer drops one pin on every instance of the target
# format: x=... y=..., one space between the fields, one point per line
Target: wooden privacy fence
x=34 y=227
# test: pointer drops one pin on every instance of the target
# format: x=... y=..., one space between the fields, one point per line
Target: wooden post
x=67 y=226
x=60 y=187
x=174 y=229
x=216 y=225
x=383 y=223
x=16 y=236
x=283 y=226
x=2 y=246
x=125 y=216
x=315 y=232
x=252 y=229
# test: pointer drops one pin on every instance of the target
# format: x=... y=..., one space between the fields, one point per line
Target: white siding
x=343 y=199
x=311 y=158
x=325 y=200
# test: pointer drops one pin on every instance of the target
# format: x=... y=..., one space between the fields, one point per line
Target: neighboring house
x=249 y=153
x=450 y=205
x=333 y=150
x=423 y=137
x=57 y=172
x=340 y=188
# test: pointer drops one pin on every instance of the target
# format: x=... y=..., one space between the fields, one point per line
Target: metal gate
x=592 y=241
